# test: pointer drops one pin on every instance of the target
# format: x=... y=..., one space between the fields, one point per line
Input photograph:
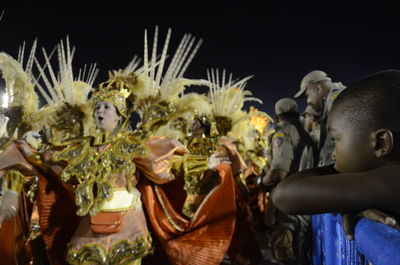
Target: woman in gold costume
x=102 y=172
x=90 y=211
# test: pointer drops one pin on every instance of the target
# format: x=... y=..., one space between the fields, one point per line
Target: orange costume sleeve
x=156 y=165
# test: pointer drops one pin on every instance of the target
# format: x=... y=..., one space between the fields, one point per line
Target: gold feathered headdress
x=155 y=87
x=115 y=97
x=259 y=119
x=19 y=101
x=227 y=98
x=189 y=107
x=67 y=112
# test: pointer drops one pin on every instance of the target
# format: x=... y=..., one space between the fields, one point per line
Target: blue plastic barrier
x=379 y=243
x=330 y=245
x=374 y=243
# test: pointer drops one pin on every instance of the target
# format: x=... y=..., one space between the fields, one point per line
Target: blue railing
x=379 y=243
x=375 y=243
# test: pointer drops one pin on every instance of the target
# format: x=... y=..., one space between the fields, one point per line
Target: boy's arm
x=305 y=193
x=273 y=177
x=317 y=171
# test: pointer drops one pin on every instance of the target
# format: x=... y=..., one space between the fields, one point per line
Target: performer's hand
x=9 y=205
x=215 y=159
x=229 y=148
x=226 y=143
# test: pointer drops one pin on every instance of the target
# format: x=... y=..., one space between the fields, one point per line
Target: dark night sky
x=278 y=44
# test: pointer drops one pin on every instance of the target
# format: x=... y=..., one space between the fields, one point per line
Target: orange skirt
x=202 y=240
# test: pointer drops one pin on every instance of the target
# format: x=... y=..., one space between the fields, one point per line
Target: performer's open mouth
x=100 y=118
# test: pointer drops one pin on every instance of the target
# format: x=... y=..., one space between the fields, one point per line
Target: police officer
x=312 y=123
x=320 y=92
x=292 y=150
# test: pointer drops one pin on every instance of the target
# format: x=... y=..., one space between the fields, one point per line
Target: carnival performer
x=193 y=122
x=18 y=104
x=203 y=236
x=94 y=174
x=255 y=151
x=233 y=122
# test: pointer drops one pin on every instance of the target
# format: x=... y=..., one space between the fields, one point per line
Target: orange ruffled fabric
x=57 y=216
x=205 y=238
x=14 y=248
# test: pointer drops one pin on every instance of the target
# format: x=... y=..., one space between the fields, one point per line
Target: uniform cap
x=285 y=105
x=312 y=77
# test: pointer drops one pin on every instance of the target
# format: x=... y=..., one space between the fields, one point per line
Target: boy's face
x=354 y=151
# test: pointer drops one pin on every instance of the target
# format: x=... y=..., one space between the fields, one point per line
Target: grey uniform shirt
x=325 y=155
x=284 y=141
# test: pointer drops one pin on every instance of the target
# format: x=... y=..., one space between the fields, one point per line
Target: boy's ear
x=383 y=142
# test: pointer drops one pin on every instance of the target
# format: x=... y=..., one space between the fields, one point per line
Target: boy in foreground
x=365 y=125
